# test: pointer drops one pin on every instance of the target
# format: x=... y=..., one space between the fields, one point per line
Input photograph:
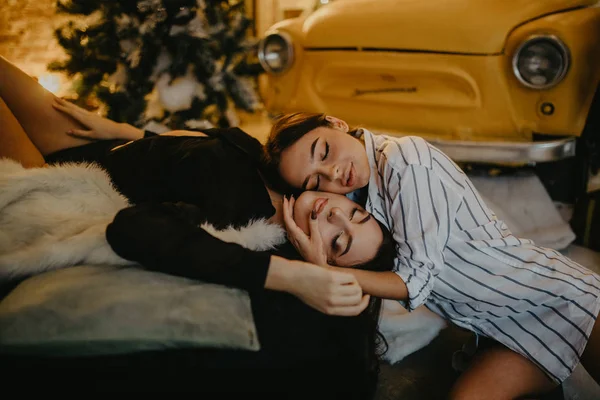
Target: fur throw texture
x=406 y=332
x=259 y=235
x=56 y=217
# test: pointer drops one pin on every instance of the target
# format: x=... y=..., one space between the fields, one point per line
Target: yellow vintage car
x=494 y=81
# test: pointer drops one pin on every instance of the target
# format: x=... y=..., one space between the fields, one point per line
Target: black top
x=212 y=179
x=166 y=237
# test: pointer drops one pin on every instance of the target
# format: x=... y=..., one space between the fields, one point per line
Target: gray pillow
x=92 y=310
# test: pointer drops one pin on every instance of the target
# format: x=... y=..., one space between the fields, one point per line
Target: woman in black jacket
x=176 y=184
x=222 y=174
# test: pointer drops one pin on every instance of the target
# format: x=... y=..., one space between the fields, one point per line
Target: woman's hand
x=329 y=291
x=98 y=128
x=325 y=289
x=310 y=246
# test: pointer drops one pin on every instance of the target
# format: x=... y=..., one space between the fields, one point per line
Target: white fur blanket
x=56 y=217
x=406 y=332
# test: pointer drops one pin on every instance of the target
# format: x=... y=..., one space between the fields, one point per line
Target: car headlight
x=276 y=52
x=541 y=62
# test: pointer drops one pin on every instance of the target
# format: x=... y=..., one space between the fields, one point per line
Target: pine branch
x=82 y=7
x=200 y=54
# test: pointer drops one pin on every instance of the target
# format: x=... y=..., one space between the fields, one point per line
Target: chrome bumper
x=506 y=152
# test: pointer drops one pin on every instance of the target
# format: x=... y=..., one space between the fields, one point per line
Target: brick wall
x=26 y=34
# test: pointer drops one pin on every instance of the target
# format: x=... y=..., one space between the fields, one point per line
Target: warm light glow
x=50 y=82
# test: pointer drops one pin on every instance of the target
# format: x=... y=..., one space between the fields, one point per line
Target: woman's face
x=327 y=160
x=351 y=236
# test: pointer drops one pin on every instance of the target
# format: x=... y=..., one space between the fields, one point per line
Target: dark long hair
x=358 y=339
x=360 y=336
x=287 y=130
x=376 y=345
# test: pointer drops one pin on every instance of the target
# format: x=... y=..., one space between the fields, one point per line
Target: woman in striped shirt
x=454 y=255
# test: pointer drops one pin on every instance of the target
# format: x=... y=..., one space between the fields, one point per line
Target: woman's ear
x=338 y=123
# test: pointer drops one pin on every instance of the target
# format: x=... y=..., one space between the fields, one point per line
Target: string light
x=50 y=82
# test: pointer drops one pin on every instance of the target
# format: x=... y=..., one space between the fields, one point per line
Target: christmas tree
x=182 y=63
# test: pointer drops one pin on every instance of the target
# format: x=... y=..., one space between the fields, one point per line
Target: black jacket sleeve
x=166 y=237
x=240 y=139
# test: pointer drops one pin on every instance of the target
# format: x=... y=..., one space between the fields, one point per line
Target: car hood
x=458 y=26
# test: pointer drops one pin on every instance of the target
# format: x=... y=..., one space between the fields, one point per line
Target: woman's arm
x=382 y=284
x=100 y=128
x=96 y=127
x=422 y=208
x=168 y=238
x=331 y=291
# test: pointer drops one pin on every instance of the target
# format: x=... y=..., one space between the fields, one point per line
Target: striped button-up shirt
x=462 y=262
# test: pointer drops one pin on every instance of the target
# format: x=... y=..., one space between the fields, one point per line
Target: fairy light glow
x=50 y=82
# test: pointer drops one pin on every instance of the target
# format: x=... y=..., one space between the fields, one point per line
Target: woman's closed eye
x=335 y=242
x=338 y=245
x=316 y=188
x=335 y=245
x=326 y=152
x=363 y=217
x=318 y=179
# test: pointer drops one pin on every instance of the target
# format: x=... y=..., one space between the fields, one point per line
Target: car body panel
x=458 y=26
x=442 y=95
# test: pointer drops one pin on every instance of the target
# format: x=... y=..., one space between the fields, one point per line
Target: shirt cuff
x=418 y=288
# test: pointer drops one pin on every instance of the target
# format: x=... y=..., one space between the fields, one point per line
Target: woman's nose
x=334 y=172
x=330 y=171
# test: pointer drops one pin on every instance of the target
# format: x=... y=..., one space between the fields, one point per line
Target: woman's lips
x=319 y=205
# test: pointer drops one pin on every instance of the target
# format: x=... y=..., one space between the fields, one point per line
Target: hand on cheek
x=309 y=246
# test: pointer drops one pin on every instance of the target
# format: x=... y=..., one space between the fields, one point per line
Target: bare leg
x=14 y=142
x=499 y=373
x=590 y=358
x=31 y=105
